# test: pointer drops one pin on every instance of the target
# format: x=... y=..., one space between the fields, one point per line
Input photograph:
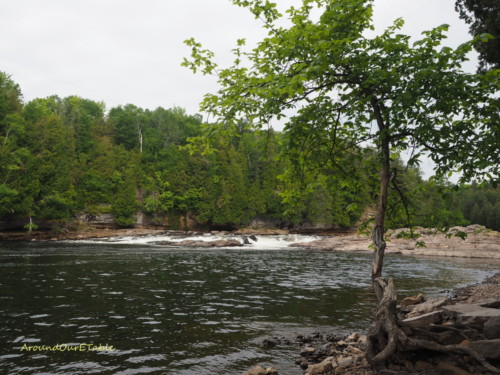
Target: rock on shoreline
x=200 y=243
x=479 y=243
x=471 y=319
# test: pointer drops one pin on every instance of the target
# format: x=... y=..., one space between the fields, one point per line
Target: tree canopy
x=335 y=78
x=345 y=88
x=483 y=17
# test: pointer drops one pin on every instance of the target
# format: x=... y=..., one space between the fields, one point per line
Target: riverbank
x=299 y=258
x=89 y=232
x=478 y=243
x=469 y=319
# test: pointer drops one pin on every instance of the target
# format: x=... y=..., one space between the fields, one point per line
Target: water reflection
x=186 y=311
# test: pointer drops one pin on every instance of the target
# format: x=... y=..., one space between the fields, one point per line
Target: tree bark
x=379 y=228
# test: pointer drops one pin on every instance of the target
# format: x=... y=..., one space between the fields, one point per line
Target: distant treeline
x=64 y=157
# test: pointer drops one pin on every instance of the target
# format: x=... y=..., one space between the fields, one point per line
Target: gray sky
x=129 y=51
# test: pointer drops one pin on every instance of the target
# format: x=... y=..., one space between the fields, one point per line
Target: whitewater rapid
x=264 y=242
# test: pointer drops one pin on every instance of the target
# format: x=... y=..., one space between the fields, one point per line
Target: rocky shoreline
x=468 y=320
x=93 y=232
x=479 y=243
x=454 y=321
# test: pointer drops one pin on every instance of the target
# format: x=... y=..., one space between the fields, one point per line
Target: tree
x=82 y=115
x=48 y=178
x=124 y=204
x=10 y=96
x=380 y=90
x=483 y=16
x=12 y=154
x=128 y=126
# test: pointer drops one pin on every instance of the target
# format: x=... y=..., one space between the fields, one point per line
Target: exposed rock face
x=98 y=220
x=199 y=243
x=266 y=222
x=424 y=320
x=260 y=230
x=428 y=306
x=472 y=310
x=479 y=243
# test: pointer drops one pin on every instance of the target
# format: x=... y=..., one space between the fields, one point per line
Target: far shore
x=106 y=232
x=479 y=242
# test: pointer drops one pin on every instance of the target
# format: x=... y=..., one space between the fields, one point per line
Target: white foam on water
x=262 y=241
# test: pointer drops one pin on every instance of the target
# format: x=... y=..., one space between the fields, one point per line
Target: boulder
x=200 y=243
x=492 y=328
x=472 y=314
x=256 y=370
x=307 y=351
x=429 y=306
x=344 y=361
x=269 y=343
x=489 y=349
x=324 y=367
x=259 y=370
x=413 y=300
x=226 y=243
x=353 y=337
x=423 y=320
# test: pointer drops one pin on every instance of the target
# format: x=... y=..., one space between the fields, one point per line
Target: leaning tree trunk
x=382 y=335
x=379 y=228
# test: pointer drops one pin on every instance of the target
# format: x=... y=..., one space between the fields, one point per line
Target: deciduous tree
x=354 y=89
x=483 y=17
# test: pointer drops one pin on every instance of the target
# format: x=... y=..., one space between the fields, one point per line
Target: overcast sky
x=129 y=51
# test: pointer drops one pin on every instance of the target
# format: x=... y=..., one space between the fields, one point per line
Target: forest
x=62 y=158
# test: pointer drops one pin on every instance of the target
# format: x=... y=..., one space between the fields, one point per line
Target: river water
x=188 y=311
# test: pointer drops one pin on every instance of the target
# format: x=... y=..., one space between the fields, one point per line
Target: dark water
x=183 y=311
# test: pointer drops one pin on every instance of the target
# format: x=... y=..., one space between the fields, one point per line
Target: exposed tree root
x=386 y=337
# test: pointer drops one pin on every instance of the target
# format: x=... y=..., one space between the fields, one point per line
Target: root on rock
x=386 y=336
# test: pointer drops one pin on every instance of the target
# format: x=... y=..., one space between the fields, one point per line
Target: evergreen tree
x=124 y=203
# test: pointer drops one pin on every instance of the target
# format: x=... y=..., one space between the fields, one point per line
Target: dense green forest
x=65 y=157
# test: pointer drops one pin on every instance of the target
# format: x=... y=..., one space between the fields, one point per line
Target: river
x=188 y=311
